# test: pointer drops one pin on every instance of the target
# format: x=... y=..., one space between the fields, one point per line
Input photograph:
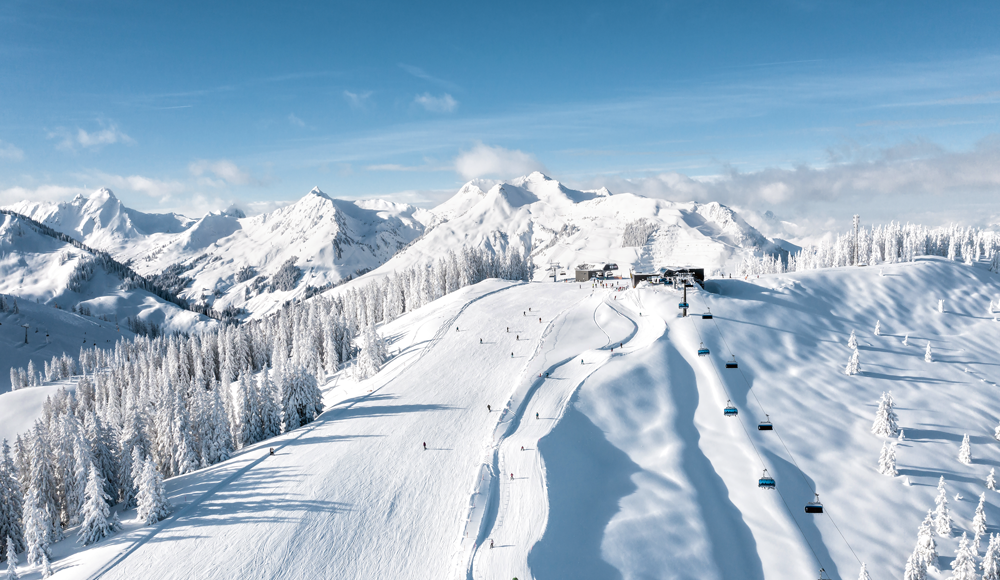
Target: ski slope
x=630 y=469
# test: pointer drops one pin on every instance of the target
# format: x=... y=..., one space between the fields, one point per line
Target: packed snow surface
x=629 y=468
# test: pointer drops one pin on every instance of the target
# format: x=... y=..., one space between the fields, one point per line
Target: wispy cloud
x=10 y=152
x=108 y=134
x=423 y=75
x=225 y=172
x=443 y=104
x=486 y=161
x=358 y=101
x=295 y=120
x=159 y=189
x=46 y=192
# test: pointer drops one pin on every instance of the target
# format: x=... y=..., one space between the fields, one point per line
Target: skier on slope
x=536 y=415
x=488 y=409
x=425 y=446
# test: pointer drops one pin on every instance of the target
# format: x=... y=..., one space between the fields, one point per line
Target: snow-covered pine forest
x=883 y=244
x=154 y=408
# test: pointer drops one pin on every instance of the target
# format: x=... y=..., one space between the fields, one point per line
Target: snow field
x=357 y=482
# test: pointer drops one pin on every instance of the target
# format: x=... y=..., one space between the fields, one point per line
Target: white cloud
x=41 y=193
x=915 y=181
x=443 y=104
x=358 y=101
x=10 y=152
x=160 y=189
x=224 y=170
x=485 y=161
x=295 y=120
x=108 y=134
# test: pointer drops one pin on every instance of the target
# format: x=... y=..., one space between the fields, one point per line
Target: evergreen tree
x=927 y=353
x=43 y=488
x=991 y=479
x=185 y=458
x=991 y=560
x=885 y=424
x=915 y=568
x=942 y=517
x=372 y=355
x=95 y=525
x=853 y=365
x=37 y=527
x=996 y=432
x=979 y=524
x=270 y=410
x=11 y=560
x=852 y=343
x=46 y=567
x=101 y=454
x=964 y=563
x=965 y=451
x=926 y=546
x=153 y=502
x=245 y=412
x=863 y=575
x=217 y=443
x=11 y=500
x=878 y=328
x=131 y=441
x=887 y=460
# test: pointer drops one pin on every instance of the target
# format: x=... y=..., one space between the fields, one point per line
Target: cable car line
x=782 y=441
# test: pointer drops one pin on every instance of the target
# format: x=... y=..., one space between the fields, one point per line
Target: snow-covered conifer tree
x=37 y=527
x=852 y=343
x=887 y=460
x=942 y=517
x=11 y=560
x=270 y=411
x=996 y=432
x=878 y=328
x=926 y=546
x=46 y=567
x=915 y=569
x=96 y=525
x=11 y=500
x=991 y=479
x=153 y=502
x=863 y=575
x=906 y=340
x=965 y=451
x=927 y=353
x=853 y=364
x=991 y=560
x=979 y=524
x=964 y=563
x=885 y=424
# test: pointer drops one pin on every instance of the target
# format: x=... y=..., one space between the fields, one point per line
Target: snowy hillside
x=35 y=267
x=556 y=224
x=604 y=451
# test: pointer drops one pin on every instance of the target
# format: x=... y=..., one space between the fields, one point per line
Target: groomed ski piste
x=629 y=468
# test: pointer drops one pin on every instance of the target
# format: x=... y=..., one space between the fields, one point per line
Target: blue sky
x=812 y=109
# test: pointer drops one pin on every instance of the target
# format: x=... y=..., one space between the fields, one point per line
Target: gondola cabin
x=814 y=507
x=766 y=481
x=765 y=425
x=683 y=305
x=703 y=350
x=731 y=364
x=730 y=410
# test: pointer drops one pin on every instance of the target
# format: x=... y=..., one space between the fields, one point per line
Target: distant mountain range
x=252 y=265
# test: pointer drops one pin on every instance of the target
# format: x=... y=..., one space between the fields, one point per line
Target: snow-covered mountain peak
x=318 y=192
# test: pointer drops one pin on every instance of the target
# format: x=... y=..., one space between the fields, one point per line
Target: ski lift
x=706 y=316
x=730 y=410
x=683 y=305
x=766 y=481
x=731 y=364
x=821 y=572
x=765 y=425
x=814 y=507
x=703 y=350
